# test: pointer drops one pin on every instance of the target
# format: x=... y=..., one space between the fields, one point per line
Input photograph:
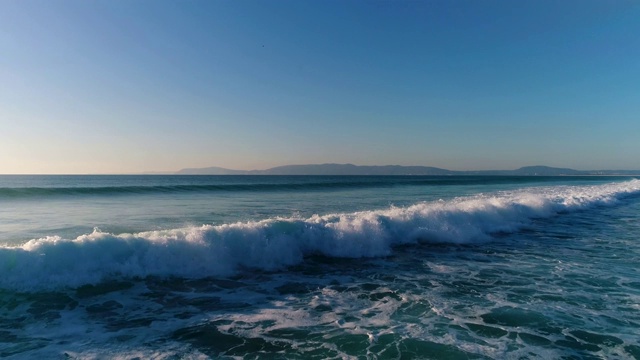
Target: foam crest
x=273 y=244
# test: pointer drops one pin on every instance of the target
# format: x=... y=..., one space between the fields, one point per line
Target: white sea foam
x=272 y=244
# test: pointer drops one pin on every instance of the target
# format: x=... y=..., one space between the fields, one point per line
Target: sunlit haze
x=132 y=86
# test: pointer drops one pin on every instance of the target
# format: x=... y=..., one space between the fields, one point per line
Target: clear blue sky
x=106 y=86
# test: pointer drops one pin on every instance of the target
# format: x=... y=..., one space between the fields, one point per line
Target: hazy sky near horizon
x=106 y=86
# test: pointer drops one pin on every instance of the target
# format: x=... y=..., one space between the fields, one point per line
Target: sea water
x=303 y=267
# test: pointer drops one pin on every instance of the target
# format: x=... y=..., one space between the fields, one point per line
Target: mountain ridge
x=390 y=170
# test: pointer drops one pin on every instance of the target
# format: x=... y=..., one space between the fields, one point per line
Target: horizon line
x=177 y=172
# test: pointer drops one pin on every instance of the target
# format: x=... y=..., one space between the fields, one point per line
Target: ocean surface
x=319 y=267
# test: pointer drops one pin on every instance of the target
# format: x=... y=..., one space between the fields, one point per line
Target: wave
x=272 y=244
x=124 y=190
x=40 y=192
x=271 y=184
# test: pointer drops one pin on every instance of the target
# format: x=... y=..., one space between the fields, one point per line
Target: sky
x=104 y=86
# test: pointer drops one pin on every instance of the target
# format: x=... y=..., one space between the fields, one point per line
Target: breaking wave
x=272 y=244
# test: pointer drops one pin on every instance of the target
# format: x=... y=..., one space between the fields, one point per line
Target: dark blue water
x=319 y=267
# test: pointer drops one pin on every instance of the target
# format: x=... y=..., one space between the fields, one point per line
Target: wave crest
x=272 y=244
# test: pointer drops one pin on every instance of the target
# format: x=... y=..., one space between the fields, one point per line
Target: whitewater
x=319 y=267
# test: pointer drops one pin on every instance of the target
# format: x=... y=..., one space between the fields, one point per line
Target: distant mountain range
x=350 y=169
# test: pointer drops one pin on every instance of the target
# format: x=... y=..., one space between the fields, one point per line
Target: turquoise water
x=319 y=267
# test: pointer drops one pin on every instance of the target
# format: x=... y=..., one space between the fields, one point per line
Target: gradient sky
x=104 y=86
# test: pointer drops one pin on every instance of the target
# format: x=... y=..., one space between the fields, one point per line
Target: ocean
x=319 y=267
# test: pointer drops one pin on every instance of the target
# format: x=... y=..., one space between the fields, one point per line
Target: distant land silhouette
x=350 y=169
